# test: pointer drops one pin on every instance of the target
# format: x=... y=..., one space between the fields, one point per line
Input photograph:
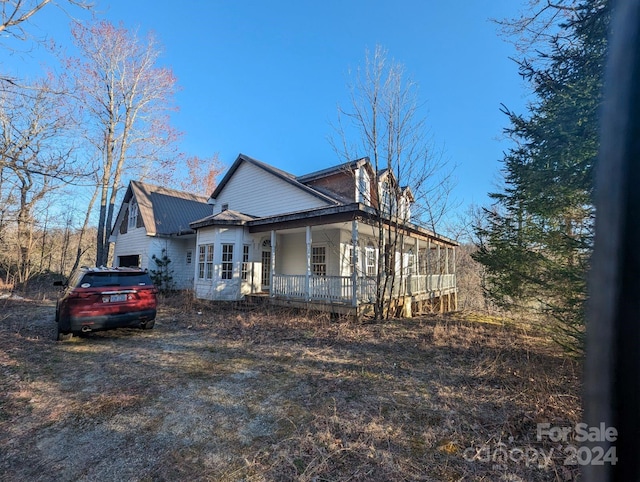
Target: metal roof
x=226 y=217
x=165 y=211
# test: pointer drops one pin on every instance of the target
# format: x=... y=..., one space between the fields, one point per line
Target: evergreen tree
x=162 y=277
x=538 y=235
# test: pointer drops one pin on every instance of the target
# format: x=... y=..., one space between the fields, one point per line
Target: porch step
x=253 y=301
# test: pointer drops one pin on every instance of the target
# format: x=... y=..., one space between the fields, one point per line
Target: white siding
x=134 y=242
x=218 y=288
x=204 y=288
x=181 y=272
x=330 y=239
x=365 y=238
x=252 y=190
x=291 y=251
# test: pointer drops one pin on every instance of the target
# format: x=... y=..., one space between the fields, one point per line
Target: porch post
x=446 y=260
x=354 y=263
x=416 y=265
x=453 y=253
x=273 y=262
x=439 y=268
x=428 y=273
x=308 y=271
x=455 y=291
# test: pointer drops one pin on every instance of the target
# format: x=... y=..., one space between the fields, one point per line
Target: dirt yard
x=237 y=395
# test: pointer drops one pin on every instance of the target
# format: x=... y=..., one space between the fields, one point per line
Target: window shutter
x=125 y=222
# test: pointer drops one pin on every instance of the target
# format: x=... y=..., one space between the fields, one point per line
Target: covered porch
x=329 y=262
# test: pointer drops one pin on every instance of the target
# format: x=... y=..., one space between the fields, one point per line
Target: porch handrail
x=430 y=282
x=340 y=288
x=321 y=288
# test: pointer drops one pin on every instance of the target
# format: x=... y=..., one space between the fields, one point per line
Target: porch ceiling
x=323 y=216
x=336 y=215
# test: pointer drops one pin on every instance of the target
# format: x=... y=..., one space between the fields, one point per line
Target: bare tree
x=202 y=174
x=80 y=248
x=126 y=99
x=383 y=122
x=36 y=158
x=14 y=13
x=537 y=26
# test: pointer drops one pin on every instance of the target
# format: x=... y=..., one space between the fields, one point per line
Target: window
x=389 y=259
x=205 y=261
x=319 y=260
x=227 y=261
x=133 y=214
x=122 y=278
x=404 y=210
x=387 y=205
x=189 y=256
x=225 y=207
x=209 y=272
x=350 y=258
x=370 y=260
x=362 y=196
x=411 y=262
x=245 y=262
x=201 y=258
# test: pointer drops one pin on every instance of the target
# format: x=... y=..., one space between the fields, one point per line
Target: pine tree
x=538 y=236
x=162 y=277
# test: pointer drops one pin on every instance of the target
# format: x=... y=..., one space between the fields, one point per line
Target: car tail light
x=81 y=294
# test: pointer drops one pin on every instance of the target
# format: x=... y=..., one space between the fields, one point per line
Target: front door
x=266 y=270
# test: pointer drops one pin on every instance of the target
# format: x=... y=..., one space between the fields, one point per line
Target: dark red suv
x=96 y=299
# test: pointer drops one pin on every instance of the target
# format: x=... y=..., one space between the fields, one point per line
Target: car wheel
x=62 y=336
x=148 y=325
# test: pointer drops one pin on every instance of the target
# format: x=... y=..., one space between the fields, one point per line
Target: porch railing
x=418 y=284
x=321 y=288
x=339 y=289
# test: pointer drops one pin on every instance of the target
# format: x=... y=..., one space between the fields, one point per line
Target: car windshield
x=115 y=279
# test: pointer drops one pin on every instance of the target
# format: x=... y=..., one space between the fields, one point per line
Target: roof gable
x=163 y=211
x=226 y=217
x=278 y=173
x=340 y=168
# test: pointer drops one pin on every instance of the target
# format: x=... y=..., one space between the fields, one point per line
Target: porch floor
x=434 y=301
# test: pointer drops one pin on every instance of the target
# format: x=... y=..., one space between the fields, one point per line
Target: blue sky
x=265 y=78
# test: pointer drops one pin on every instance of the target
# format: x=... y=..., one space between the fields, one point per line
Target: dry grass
x=226 y=394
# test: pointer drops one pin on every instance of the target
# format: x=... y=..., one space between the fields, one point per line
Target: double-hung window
x=350 y=258
x=245 y=262
x=319 y=260
x=205 y=261
x=209 y=261
x=133 y=214
x=363 y=186
x=227 y=261
x=201 y=257
x=370 y=260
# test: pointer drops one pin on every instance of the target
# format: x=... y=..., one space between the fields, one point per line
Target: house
x=152 y=219
x=309 y=241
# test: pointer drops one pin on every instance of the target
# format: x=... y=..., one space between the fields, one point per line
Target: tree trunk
x=85 y=225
